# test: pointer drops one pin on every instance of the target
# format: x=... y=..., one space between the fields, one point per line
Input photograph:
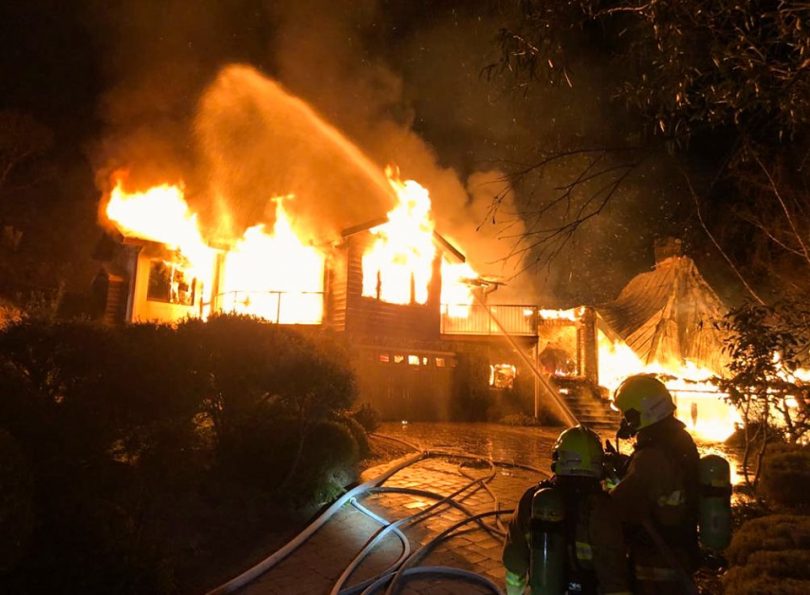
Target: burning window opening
x=502 y=376
x=171 y=283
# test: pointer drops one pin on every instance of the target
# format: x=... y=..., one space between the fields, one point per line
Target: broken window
x=170 y=282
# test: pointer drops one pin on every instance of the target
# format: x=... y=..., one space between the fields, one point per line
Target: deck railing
x=517 y=319
x=280 y=307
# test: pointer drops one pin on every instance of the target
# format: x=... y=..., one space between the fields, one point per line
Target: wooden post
x=536 y=357
x=589 y=345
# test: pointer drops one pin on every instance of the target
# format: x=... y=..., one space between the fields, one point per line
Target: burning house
x=405 y=299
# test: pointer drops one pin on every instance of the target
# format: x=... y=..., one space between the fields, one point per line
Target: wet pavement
x=315 y=567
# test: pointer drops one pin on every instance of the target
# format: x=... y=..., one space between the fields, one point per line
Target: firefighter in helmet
x=657 y=496
x=565 y=535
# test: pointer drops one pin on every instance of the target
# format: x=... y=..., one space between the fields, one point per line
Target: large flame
x=274 y=275
x=699 y=402
x=457 y=283
x=161 y=214
x=398 y=266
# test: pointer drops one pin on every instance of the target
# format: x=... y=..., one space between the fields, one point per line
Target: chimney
x=666 y=248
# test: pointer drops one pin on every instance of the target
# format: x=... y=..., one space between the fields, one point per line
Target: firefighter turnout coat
x=660 y=490
x=597 y=559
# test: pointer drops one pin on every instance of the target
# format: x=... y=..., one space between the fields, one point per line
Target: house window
x=440 y=363
x=398 y=359
x=413 y=360
x=384 y=358
x=502 y=375
x=169 y=282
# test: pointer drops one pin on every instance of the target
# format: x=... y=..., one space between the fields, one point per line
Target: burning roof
x=667 y=314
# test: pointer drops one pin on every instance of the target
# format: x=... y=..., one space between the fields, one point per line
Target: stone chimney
x=667 y=247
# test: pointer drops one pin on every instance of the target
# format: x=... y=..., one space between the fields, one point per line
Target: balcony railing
x=280 y=307
x=519 y=320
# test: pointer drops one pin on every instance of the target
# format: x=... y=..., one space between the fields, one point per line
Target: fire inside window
x=170 y=282
x=502 y=375
x=413 y=360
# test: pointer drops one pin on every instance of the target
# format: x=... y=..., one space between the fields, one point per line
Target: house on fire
x=414 y=359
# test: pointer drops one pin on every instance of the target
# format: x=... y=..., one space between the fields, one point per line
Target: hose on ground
x=403 y=566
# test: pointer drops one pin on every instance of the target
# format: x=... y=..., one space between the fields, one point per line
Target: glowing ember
x=397 y=268
x=274 y=276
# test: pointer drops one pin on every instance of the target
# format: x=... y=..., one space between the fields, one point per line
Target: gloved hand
x=515 y=583
x=615 y=465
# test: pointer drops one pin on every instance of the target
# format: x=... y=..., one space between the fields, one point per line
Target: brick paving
x=315 y=566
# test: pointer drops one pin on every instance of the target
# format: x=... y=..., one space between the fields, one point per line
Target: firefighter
x=657 y=496
x=565 y=535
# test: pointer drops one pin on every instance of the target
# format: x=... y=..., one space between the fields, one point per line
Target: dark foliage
x=471 y=398
x=368 y=417
x=118 y=425
x=770 y=555
x=786 y=478
x=765 y=345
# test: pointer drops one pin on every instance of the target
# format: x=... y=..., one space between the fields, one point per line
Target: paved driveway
x=316 y=566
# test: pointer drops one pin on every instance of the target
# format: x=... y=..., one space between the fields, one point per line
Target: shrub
x=772 y=532
x=368 y=417
x=358 y=432
x=785 y=478
x=328 y=459
x=770 y=555
x=114 y=423
x=16 y=505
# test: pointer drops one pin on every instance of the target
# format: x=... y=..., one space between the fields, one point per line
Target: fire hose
x=405 y=565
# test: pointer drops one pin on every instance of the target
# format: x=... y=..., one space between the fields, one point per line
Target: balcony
x=517 y=320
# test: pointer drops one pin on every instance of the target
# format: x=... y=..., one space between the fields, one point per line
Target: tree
x=765 y=347
x=723 y=87
x=22 y=138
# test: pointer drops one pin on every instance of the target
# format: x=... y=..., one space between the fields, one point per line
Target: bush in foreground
x=770 y=555
x=118 y=425
x=785 y=478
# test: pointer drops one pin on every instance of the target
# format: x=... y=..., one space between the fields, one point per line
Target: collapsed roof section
x=668 y=314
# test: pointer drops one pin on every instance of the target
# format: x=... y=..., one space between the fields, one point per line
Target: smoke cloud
x=402 y=81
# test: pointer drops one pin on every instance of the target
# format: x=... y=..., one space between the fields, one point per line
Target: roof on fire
x=438 y=238
x=668 y=313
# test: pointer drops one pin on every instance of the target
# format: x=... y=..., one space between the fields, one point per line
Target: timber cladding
x=370 y=320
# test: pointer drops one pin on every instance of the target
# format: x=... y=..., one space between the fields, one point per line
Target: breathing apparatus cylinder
x=547 y=574
x=715 y=502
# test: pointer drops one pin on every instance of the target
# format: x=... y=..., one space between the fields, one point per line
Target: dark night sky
x=100 y=74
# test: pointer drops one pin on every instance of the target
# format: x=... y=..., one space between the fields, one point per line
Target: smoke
x=389 y=76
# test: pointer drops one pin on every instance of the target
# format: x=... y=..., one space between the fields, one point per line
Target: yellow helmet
x=643 y=401
x=578 y=452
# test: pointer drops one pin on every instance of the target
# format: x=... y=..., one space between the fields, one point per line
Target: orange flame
x=398 y=266
x=275 y=276
x=699 y=402
x=161 y=214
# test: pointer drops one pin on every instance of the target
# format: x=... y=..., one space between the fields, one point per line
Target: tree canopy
x=721 y=88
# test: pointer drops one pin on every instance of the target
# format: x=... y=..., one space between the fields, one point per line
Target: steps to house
x=582 y=397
